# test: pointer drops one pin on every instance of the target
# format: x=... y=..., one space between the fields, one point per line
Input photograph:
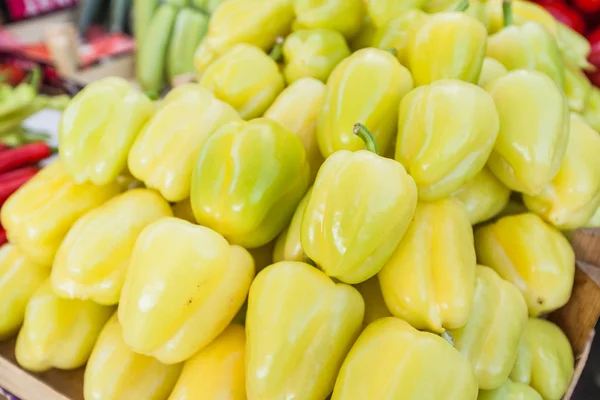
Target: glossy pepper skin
x=591 y=113
x=114 y=372
x=344 y=16
x=58 y=333
x=573 y=196
x=297 y=108
x=38 y=216
x=375 y=306
x=490 y=339
x=443 y=143
x=256 y=22
x=533 y=255
x=483 y=197
x=313 y=53
x=200 y=289
x=545 y=360
x=366 y=87
x=510 y=391
x=217 y=371
x=94 y=256
x=356 y=197
x=396 y=33
x=436 y=48
x=491 y=70
x=300 y=326
x=19 y=279
x=383 y=11
x=429 y=280
x=408 y=364
x=288 y=246
x=262 y=167
x=246 y=78
x=98 y=128
x=528 y=101
x=165 y=151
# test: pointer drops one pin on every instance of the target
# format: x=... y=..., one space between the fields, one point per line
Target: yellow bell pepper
x=375 y=306
x=510 y=391
x=58 y=333
x=528 y=101
x=246 y=78
x=477 y=9
x=531 y=254
x=174 y=303
x=491 y=70
x=344 y=16
x=483 y=197
x=183 y=210
x=578 y=88
x=573 y=196
x=442 y=142
x=355 y=198
x=574 y=47
x=313 y=53
x=429 y=280
x=364 y=38
x=392 y=360
x=297 y=108
x=288 y=246
x=256 y=22
x=114 y=372
x=522 y=12
x=545 y=359
x=217 y=371
x=19 y=279
x=300 y=326
x=395 y=34
x=366 y=87
x=256 y=208
x=383 y=11
x=490 y=339
x=591 y=113
x=164 y=153
x=437 y=49
x=108 y=233
x=594 y=222
x=98 y=128
x=38 y=216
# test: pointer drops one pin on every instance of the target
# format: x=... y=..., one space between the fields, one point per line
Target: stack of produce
x=318 y=220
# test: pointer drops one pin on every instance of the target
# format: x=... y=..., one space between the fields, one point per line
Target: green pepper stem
x=277 y=50
x=448 y=338
x=152 y=95
x=35 y=78
x=362 y=132
x=507 y=12
x=462 y=6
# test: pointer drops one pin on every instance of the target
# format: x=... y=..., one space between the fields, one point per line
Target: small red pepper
x=17 y=173
x=588 y=6
x=4 y=147
x=9 y=187
x=24 y=155
x=3 y=237
x=565 y=14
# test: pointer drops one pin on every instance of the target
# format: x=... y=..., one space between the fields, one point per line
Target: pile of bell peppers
x=356 y=200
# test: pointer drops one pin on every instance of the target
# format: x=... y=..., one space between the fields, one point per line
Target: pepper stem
x=35 y=78
x=448 y=338
x=507 y=12
x=152 y=95
x=277 y=50
x=362 y=132
x=462 y=6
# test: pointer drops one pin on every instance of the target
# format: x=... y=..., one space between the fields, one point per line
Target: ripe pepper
x=98 y=128
x=591 y=113
x=313 y=53
x=483 y=197
x=297 y=343
x=344 y=16
x=578 y=88
x=175 y=303
x=114 y=372
x=510 y=391
x=395 y=34
x=344 y=237
x=217 y=371
x=490 y=339
x=439 y=152
x=429 y=280
x=297 y=108
x=246 y=78
x=531 y=254
x=58 y=333
x=571 y=199
x=256 y=22
x=288 y=246
x=436 y=49
x=491 y=70
x=38 y=216
x=545 y=359
x=19 y=279
x=528 y=101
x=408 y=365
x=263 y=169
x=366 y=87
x=109 y=232
x=383 y=11
x=375 y=306
x=165 y=151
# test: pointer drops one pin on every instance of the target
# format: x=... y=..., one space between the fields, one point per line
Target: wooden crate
x=577 y=319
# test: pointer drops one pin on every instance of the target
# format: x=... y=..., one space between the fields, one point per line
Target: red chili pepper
x=9 y=187
x=3 y=237
x=4 y=147
x=588 y=6
x=27 y=154
x=12 y=74
x=17 y=173
x=565 y=14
